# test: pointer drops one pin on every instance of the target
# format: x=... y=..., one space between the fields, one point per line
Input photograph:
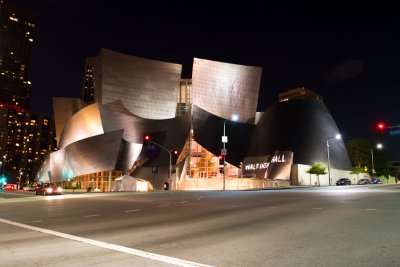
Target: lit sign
x=271 y=167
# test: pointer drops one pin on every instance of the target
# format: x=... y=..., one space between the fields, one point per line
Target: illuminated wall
x=147 y=88
x=301 y=126
x=64 y=108
x=83 y=124
x=224 y=89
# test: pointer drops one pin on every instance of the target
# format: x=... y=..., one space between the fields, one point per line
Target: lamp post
x=3 y=165
x=20 y=178
x=378 y=146
x=225 y=140
x=337 y=136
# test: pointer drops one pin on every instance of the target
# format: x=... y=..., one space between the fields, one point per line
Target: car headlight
x=49 y=190
x=59 y=189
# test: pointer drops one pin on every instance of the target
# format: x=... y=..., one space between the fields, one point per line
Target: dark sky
x=348 y=54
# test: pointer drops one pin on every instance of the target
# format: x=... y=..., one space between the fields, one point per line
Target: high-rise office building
x=17 y=36
x=88 y=83
x=24 y=138
x=299 y=93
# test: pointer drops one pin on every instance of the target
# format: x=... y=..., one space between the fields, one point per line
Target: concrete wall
x=300 y=177
x=230 y=183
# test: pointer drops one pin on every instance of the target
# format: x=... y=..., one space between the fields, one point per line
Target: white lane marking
x=272 y=207
x=370 y=209
x=183 y=202
x=316 y=208
x=163 y=205
x=132 y=210
x=199 y=198
x=37 y=221
x=92 y=215
x=132 y=251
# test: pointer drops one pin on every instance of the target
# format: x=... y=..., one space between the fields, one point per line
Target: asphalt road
x=330 y=226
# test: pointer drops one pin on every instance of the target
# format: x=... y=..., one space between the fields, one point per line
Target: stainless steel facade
x=147 y=88
x=225 y=89
x=64 y=108
x=108 y=135
x=302 y=126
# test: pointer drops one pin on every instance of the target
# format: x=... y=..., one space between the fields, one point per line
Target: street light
x=5 y=158
x=337 y=136
x=378 y=146
x=20 y=178
x=225 y=140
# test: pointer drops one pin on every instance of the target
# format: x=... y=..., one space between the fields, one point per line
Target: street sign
x=223 y=151
x=394 y=132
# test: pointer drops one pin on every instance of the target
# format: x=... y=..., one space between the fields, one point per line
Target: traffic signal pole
x=170 y=158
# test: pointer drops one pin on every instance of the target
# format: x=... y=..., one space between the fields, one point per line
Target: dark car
x=364 y=181
x=376 y=181
x=48 y=189
x=343 y=181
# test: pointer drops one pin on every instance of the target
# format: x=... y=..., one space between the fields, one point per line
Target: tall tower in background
x=17 y=36
x=88 y=83
x=24 y=138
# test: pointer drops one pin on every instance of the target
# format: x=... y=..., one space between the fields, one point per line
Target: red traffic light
x=175 y=152
x=220 y=157
x=146 y=137
x=381 y=126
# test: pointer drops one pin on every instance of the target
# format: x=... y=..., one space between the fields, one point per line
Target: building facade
x=137 y=97
x=24 y=138
x=299 y=93
x=88 y=82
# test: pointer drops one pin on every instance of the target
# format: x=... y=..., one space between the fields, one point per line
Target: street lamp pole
x=379 y=146
x=20 y=178
x=372 y=159
x=338 y=136
x=225 y=140
x=3 y=165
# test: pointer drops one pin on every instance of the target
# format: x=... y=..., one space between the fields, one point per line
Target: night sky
x=348 y=54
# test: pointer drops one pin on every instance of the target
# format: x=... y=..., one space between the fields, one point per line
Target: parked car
x=10 y=187
x=376 y=181
x=364 y=181
x=31 y=187
x=48 y=189
x=343 y=181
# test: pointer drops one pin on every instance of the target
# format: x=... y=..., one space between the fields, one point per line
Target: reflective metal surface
x=147 y=88
x=225 y=89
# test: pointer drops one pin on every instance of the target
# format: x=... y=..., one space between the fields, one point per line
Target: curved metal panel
x=94 y=154
x=301 y=126
x=84 y=124
x=64 y=108
x=208 y=131
x=147 y=88
x=224 y=89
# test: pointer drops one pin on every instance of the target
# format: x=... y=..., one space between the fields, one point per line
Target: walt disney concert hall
x=149 y=124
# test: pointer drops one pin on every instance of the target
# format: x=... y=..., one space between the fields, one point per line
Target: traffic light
x=381 y=126
x=146 y=138
x=174 y=155
x=221 y=159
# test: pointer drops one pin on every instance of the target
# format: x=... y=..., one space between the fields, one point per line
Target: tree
x=360 y=155
x=317 y=169
x=357 y=170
